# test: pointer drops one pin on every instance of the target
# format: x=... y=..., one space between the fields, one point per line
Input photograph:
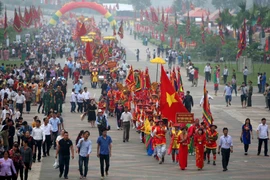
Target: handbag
x=56 y=164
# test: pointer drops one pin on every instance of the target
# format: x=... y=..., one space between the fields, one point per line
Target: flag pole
x=157 y=73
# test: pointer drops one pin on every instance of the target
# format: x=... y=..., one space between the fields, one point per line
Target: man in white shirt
x=10 y=81
x=209 y=98
x=225 y=74
x=73 y=101
x=263 y=136
x=20 y=101
x=39 y=138
x=126 y=118
x=228 y=93
x=86 y=98
x=5 y=112
x=47 y=130
x=207 y=70
x=226 y=146
x=259 y=83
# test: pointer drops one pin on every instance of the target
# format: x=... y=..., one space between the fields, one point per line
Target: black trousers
x=246 y=146
x=245 y=79
x=249 y=100
x=64 y=164
x=55 y=134
x=103 y=158
x=27 y=165
x=188 y=108
x=207 y=74
x=80 y=107
x=40 y=104
x=225 y=157
x=265 y=141
x=86 y=103
x=5 y=177
x=47 y=145
x=100 y=128
x=225 y=78
x=38 y=144
x=28 y=106
x=10 y=142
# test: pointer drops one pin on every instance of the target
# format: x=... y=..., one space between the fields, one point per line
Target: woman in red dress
x=199 y=142
x=183 y=139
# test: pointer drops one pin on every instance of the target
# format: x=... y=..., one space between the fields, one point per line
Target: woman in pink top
x=6 y=167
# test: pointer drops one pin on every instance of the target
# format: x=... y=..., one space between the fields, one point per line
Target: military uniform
x=58 y=97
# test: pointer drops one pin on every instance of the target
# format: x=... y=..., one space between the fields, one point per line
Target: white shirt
x=73 y=97
x=80 y=98
x=86 y=95
x=207 y=68
x=10 y=82
x=126 y=117
x=225 y=72
x=263 y=131
x=19 y=99
x=258 y=81
x=4 y=113
x=228 y=90
x=225 y=142
x=17 y=114
x=209 y=97
x=58 y=139
x=191 y=71
x=37 y=133
x=46 y=129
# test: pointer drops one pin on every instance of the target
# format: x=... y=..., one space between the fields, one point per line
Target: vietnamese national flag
x=170 y=103
x=17 y=23
x=88 y=52
x=82 y=30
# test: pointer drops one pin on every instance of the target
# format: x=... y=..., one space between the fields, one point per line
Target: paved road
x=129 y=160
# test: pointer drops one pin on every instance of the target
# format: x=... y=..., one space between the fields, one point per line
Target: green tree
x=199 y=3
x=223 y=4
x=177 y=5
x=140 y=4
x=1 y=7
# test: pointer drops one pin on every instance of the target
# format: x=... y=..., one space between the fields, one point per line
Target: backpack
x=103 y=122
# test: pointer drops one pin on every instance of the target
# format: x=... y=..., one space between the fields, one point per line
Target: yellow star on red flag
x=170 y=99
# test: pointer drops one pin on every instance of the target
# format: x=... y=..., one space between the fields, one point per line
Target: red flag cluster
x=32 y=16
x=242 y=41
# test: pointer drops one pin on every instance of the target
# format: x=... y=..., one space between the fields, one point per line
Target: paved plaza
x=129 y=160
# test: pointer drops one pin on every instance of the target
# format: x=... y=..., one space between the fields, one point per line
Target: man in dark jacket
x=188 y=101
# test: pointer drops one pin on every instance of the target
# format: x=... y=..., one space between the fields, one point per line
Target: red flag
x=130 y=81
x=266 y=45
x=21 y=17
x=146 y=15
x=5 y=24
x=162 y=16
x=188 y=25
x=202 y=29
x=27 y=17
x=82 y=30
x=147 y=79
x=162 y=38
x=88 y=52
x=16 y=23
x=141 y=15
x=170 y=103
x=242 y=41
x=207 y=115
x=121 y=30
x=166 y=23
x=175 y=22
x=180 y=84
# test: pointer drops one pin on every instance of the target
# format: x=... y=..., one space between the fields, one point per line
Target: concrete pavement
x=129 y=160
